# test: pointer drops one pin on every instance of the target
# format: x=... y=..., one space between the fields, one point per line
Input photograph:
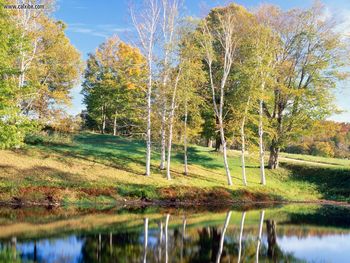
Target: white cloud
x=343 y=17
x=100 y=30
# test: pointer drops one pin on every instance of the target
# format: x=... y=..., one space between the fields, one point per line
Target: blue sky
x=90 y=22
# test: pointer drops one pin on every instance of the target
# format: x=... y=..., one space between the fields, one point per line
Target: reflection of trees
x=330 y=216
x=240 y=237
x=174 y=239
x=262 y=213
x=166 y=237
x=222 y=238
x=183 y=234
x=271 y=238
x=145 y=240
x=8 y=252
x=125 y=247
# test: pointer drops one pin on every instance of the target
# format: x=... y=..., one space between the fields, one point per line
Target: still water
x=293 y=233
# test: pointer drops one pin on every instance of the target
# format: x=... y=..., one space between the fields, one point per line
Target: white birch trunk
x=243 y=143
x=262 y=213
x=185 y=141
x=222 y=238
x=162 y=139
x=115 y=124
x=146 y=29
x=171 y=124
x=103 y=124
x=243 y=155
x=148 y=132
x=170 y=13
x=224 y=151
x=261 y=143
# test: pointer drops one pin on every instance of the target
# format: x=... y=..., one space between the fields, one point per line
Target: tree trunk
x=261 y=143
x=224 y=150
x=218 y=144
x=148 y=132
x=243 y=143
x=210 y=143
x=115 y=124
x=243 y=155
x=222 y=238
x=103 y=120
x=168 y=175
x=185 y=141
x=171 y=124
x=262 y=213
x=274 y=152
x=162 y=139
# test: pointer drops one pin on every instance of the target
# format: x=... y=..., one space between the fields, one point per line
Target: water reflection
x=265 y=235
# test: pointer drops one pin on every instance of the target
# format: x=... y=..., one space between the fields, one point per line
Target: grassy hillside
x=105 y=169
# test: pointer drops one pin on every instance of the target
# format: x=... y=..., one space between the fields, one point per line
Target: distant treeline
x=327 y=138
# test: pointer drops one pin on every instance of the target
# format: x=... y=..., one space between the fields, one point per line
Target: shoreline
x=139 y=203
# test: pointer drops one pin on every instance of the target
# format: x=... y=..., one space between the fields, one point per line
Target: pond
x=290 y=233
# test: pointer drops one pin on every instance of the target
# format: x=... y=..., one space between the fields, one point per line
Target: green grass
x=317 y=159
x=100 y=168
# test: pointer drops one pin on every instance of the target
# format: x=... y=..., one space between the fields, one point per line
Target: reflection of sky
x=328 y=248
x=58 y=250
x=153 y=237
x=332 y=248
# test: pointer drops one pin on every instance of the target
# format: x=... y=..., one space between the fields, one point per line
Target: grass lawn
x=105 y=169
x=317 y=159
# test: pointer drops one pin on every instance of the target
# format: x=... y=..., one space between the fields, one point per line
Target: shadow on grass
x=195 y=156
x=108 y=150
x=121 y=153
x=43 y=175
x=332 y=182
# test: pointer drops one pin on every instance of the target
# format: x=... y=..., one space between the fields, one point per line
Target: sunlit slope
x=104 y=169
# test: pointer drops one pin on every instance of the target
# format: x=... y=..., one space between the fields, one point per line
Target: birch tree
x=146 y=22
x=244 y=177
x=189 y=78
x=221 y=34
x=30 y=23
x=256 y=71
x=173 y=107
x=169 y=25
